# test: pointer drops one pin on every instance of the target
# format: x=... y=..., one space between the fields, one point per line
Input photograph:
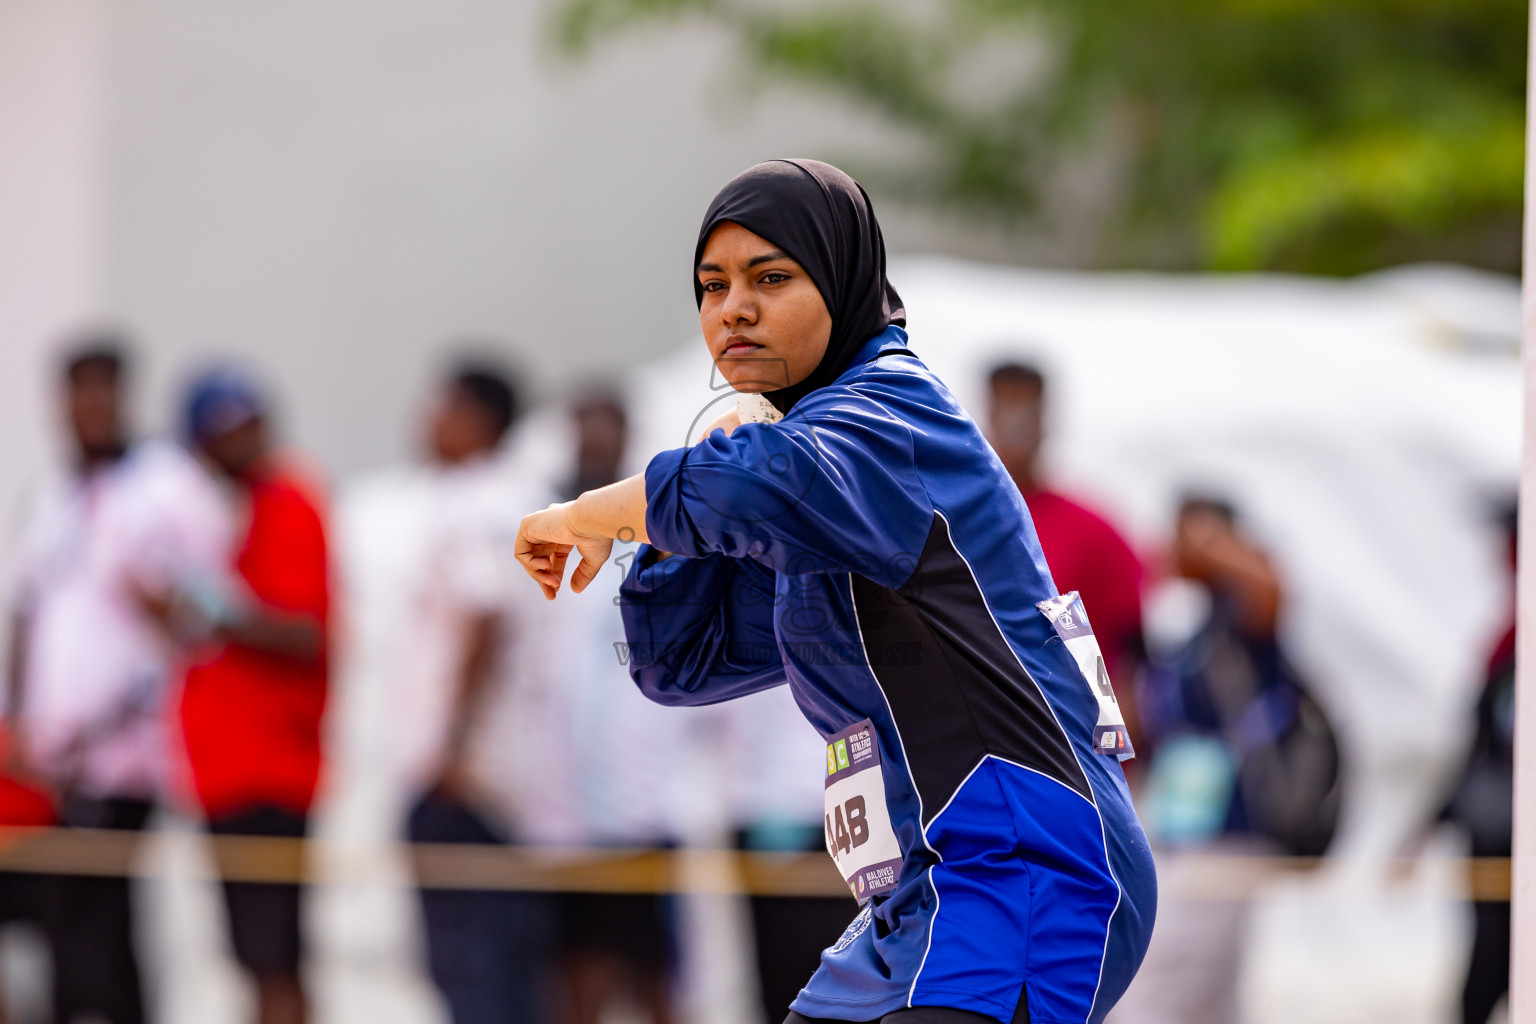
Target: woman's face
x=763 y=317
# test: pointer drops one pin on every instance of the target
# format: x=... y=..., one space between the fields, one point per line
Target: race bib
x=1066 y=615
x=859 y=834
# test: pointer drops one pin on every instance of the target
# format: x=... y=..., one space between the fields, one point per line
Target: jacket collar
x=891 y=340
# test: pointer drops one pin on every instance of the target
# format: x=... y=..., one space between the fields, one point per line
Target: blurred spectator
x=1242 y=761
x=1085 y=553
x=624 y=758
x=1231 y=683
x=253 y=699
x=107 y=544
x=487 y=951
x=1482 y=803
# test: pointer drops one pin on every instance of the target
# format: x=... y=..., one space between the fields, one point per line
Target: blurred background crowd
x=304 y=305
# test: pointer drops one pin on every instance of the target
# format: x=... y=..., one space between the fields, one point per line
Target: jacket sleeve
x=699 y=630
x=833 y=487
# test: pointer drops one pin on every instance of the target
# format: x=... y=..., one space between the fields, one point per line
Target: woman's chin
x=752 y=376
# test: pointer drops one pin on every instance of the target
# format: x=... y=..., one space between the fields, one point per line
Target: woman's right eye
x=713 y=286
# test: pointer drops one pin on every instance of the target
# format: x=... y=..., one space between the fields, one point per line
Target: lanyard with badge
x=860 y=838
x=1067 y=616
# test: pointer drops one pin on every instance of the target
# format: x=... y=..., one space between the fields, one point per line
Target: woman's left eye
x=774 y=277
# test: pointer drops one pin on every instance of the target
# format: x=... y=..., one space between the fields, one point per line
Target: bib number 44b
x=858 y=824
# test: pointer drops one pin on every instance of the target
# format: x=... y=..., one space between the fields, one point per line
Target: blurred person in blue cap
x=107 y=542
x=256 y=686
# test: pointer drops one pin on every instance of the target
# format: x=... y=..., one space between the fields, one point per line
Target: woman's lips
x=736 y=345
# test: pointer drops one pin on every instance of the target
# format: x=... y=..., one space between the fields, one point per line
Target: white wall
x=50 y=210
x=333 y=188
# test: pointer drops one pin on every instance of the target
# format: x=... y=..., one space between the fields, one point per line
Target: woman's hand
x=545 y=541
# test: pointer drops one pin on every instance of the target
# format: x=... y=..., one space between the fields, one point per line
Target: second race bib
x=1066 y=615
x=859 y=833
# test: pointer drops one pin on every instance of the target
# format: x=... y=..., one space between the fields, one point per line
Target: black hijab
x=823 y=220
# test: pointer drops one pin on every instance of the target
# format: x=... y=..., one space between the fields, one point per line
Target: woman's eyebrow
x=769 y=257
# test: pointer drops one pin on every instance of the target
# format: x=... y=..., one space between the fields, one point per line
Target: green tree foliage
x=1321 y=135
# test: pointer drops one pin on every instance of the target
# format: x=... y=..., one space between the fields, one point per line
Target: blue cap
x=220 y=401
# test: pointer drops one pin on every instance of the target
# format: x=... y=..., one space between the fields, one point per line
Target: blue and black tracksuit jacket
x=871 y=551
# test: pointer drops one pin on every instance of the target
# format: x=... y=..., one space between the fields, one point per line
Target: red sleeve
x=285 y=561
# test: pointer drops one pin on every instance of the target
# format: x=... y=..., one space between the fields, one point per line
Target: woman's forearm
x=616 y=511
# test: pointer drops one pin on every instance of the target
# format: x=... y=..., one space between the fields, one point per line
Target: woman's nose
x=738 y=309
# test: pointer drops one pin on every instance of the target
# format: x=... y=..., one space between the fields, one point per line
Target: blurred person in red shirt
x=1085 y=553
x=255 y=692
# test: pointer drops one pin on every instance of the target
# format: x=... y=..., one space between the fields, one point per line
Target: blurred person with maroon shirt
x=1483 y=799
x=252 y=703
x=1084 y=552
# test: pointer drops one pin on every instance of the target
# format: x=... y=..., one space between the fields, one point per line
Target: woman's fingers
x=557 y=562
x=538 y=553
x=539 y=556
x=547 y=575
x=538 y=547
x=593 y=553
x=544 y=544
x=550 y=588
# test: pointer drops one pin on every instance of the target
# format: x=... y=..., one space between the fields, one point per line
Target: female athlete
x=870 y=550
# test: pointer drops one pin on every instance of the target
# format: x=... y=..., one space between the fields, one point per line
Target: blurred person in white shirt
x=609 y=768
x=452 y=655
x=107 y=546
